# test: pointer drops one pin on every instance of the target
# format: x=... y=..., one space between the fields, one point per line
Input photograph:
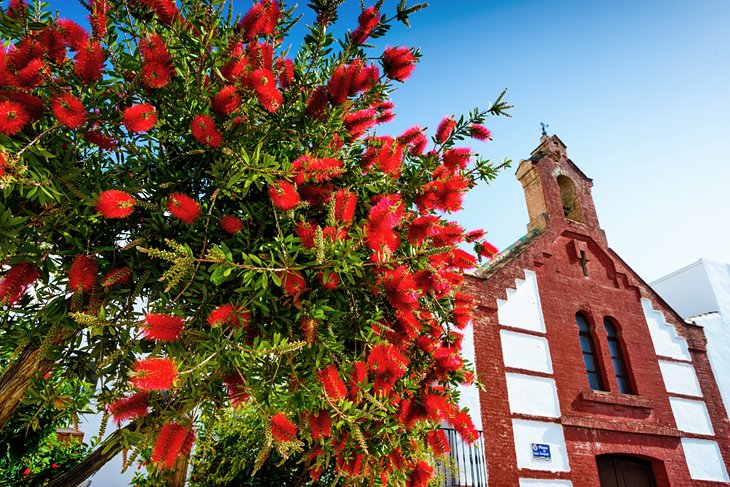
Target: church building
x=591 y=378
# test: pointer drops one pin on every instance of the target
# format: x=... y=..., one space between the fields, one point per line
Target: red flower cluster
x=421 y=474
x=231 y=224
x=308 y=169
x=89 y=62
x=334 y=387
x=139 y=118
x=480 y=132
x=282 y=429
x=134 y=406
x=226 y=101
x=157 y=68
x=75 y=36
x=357 y=123
x=82 y=274
x=114 y=203
x=100 y=139
x=15 y=282
x=260 y=20
x=284 y=195
x=398 y=63
x=293 y=283
x=173 y=440
x=162 y=327
x=388 y=365
x=367 y=21
x=154 y=374
x=69 y=111
x=13 y=117
x=383 y=218
x=229 y=315
x=183 y=207
x=438 y=442
x=309 y=327
x=385 y=153
x=236 y=388
x=97 y=18
x=166 y=10
x=117 y=276
x=205 y=131
x=320 y=425
x=317 y=103
x=349 y=80
x=344 y=203
x=444 y=130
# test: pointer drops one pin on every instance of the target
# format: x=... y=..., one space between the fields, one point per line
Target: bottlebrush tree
x=196 y=216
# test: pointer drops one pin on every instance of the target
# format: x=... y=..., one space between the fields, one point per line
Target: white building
x=700 y=293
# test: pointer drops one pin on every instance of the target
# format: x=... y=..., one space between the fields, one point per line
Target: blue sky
x=638 y=91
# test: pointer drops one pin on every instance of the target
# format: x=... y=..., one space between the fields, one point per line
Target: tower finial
x=544 y=126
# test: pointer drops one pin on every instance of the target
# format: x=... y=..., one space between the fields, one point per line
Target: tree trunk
x=16 y=379
x=106 y=450
x=180 y=471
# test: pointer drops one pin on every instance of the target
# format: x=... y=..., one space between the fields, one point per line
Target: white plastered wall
x=528 y=352
x=535 y=396
x=529 y=432
x=666 y=340
x=704 y=460
x=691 y=416
x=522 y=307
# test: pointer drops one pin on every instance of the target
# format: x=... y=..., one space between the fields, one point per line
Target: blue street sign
x=540 y=451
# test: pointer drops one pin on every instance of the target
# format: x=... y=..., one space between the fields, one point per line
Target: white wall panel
x=522 y=307
x=536 y=396
x=528 y=352
x=704 y=460
x=680 y=378
x=545 y=483
x=691 y=416
x=667 y=343
x=528 y=432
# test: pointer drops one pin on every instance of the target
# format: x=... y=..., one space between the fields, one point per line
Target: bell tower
x=557 y=192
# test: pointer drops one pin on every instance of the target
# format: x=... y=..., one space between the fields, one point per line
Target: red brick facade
x=577 y=272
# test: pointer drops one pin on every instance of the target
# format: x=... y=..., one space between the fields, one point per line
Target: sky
x=638 y=91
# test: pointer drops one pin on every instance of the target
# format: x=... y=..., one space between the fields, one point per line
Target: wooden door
x=622 y=471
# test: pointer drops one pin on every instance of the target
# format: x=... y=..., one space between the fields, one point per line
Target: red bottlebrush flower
x=480 y=132
x=153 y=48
x=388 y=365
x=358 y=122
x=113 y=203
x=134 y=406
x=166 y=10
x=3 y=163
x=328 y=281
x=205 y=132
x=103 y=141
x=162 y=327
x=33 y=73
x=438 y=407
x=139 y=118
x=15 y=282
x=448 y=359
x=463 y=424
x=76 y=36
x=311 y=170
x=438 y=442
x=422 y=228
x=282 y=429
x=309 y=328
x=17 y=9
x=349 y=468
x=231 y=224
x=285 y=69
x=306 y=233
x=32 y=105
x=82 y=274
x=154 y=374
x=367 y=21
x=54 y=44
x=337 y=87
x=317 y=103
x=415 y=138
x=117 y=276
x=264 y=85
x=229 y=315
x=156 y=74
x=398 y=63
x=463 y=260
x=457 y=158
x=172 y=441
x=344 y=203
x=420 y=475
x=284 y=195
x=385 y=153
x=236 y=388
x=260 y=20
x=183 y=207
x=293 y=283
x=55 y=465
x=89 y=62
x=320 y=425
x=98 y=19
x=443 y=132
x=27 y=471
x=475 y=235
x=13 y=117
x=357 y=378
x=486 y=249
x=226 y=101
x=69 y=111
x=333 y=386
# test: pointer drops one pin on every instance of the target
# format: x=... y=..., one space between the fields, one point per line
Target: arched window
x=589 y=353
x=571 y=207
x=619 y=367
